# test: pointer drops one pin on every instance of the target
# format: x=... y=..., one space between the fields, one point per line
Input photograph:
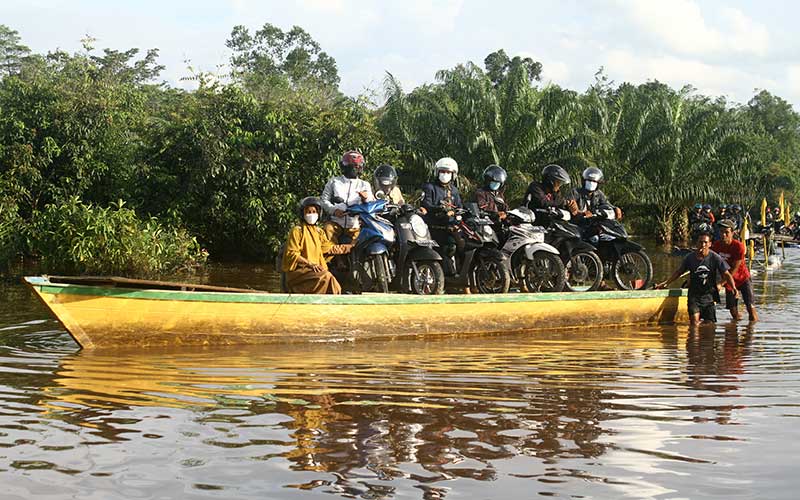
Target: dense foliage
x=229 y=160
x=75 y=237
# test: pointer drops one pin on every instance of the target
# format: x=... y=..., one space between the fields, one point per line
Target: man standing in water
x=733 y=252
x=704 y=265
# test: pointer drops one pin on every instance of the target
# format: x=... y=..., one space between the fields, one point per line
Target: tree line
x=104 y=169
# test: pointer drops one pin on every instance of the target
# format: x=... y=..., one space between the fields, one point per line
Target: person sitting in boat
x=704 y=265
x=547 y=193
x=384 y=180
x=341 y=192
x=592 y=202
x=490 y=197
x=440 y=198
x=306 y=247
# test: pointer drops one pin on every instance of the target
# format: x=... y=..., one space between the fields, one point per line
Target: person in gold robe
x=304 y=257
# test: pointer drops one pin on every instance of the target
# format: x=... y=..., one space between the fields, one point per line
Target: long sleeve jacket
x=433 y=194
x=345 y=189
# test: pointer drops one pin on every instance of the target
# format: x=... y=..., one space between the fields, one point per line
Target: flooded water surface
x=655 y=412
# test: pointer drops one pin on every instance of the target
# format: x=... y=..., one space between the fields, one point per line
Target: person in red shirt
x=733 y=252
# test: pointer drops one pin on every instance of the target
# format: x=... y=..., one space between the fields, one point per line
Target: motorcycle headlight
x=537 y=236
x=487 y=230
x=418 y=226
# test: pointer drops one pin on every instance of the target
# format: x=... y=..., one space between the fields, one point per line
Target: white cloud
x=681 y=27
x=709 y=79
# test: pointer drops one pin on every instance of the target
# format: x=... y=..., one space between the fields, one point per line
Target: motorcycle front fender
x=492 y=253
x=626 y=246
x=539 y=247
x=376 y=248
x=423 y=253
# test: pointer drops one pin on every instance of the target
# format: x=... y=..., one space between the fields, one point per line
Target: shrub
x=75 y=237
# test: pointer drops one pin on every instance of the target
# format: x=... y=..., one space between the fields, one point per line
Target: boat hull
x=99 y=316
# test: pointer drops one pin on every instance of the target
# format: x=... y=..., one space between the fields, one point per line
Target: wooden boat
x=118 y=312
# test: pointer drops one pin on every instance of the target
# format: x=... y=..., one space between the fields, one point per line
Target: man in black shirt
x=704 y=265
x=547 y=194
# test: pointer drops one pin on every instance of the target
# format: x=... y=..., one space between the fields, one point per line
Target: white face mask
x=445 y=177
x=311 y=218
x=589 y=185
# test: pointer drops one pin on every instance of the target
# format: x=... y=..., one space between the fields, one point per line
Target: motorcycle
x=414 y=255
x=370 y=268
x=477 y=261
x=584 y=269
x=625 y=261
x=534 y=264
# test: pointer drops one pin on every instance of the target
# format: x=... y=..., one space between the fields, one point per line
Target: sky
x=722 y=47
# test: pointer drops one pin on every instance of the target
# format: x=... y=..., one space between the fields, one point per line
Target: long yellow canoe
x=117 y=313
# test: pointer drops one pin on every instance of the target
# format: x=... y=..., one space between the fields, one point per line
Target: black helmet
x=706 y=207
x=553 y=172
x=385 y=177
x=309 y=201
x=352 y=163
x=592 y=174
x=494 y=173
x=736 y=207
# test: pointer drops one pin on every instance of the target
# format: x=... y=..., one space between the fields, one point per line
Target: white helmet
x=447 y=164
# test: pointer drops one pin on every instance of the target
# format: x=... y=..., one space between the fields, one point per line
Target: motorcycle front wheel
x=490 y=275
x=584 y=272
x=429 y=279
x=632 y=271
x=545 y=273
x=381 y=272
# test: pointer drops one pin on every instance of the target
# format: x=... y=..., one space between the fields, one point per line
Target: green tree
x=498 y=66
x=12 y=52
x=271 y=57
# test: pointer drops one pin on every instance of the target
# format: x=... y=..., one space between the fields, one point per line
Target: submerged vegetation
x=104 y=170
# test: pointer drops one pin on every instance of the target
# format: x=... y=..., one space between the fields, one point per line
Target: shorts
x=704 y=305
x=746 y=291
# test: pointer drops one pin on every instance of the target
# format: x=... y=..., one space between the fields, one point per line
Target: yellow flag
x=786 y=214
x=763 y=212
x=745 y=232
x=781 y=206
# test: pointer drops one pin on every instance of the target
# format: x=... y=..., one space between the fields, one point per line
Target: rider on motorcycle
x=385 y=179
x=490 y=196
x=343 y=191
x=439 y=198
x=547 y=193
x=592 y=202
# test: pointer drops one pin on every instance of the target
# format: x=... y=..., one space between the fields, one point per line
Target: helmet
x=776 y=209
x=385 y=178
x=309 y=201
x=352 y=163
x=496 y=174
x=593 y=174
x=706 y=207
x=736 y=207
x=723 y=207
x=447 y=164
x=553 y=172
x=698 y=206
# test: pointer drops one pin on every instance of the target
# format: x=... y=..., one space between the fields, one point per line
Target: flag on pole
x=781 y=205
x=763 y=212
